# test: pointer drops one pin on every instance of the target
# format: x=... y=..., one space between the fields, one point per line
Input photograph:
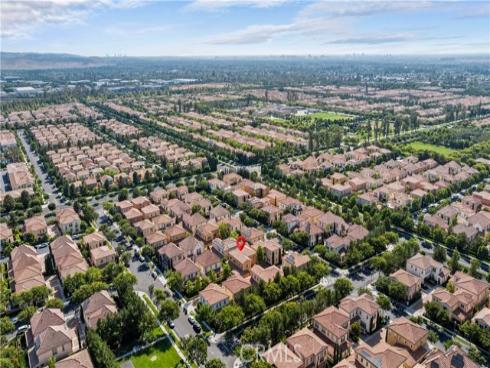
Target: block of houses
x=97 y=307
x=187 y=269
x=309 y=348
x=68 y=221
x=36 y=226
x=215 y=296
x=333 y=325
x=236 y=284
x=95 y=240
x=426 y=267
x=26 y=268
x=280 y=356
x=50 y=336
x=102 y=256
x=363 y=309
x=260 y=274
x=169 y=255
x=411 y=282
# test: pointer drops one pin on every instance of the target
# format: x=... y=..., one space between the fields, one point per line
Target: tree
x=224 y=231
x=436 y=312
x=6 y=326
x=25 y=199
x=272 y=292
x=52 y=362
x=215 y=363
x=175 y=281
x=260 y=255
x=474 y=266
x=454 y=261
x=197 y=348
x=475 y=355
x=355 y=331
x=343 y=287
x=253 y=304
x=51 y=206
x=54 y=303
x=384 y=302
x=123 y=195
x=169 y=310
x=439 y=253
x=26 y=313
x=8 y=203
x=229 y=316
x=260 y=364
x=102 y=356
x=124 y=283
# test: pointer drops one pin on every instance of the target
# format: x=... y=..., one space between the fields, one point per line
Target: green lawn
x=161 y=355
x=330 y=115
x=441 y=150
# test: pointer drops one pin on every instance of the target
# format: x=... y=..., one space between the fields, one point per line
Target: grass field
x=330 y=115
x=161 y=355
x=441 y=150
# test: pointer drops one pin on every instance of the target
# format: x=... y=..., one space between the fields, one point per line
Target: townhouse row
x=61 y=135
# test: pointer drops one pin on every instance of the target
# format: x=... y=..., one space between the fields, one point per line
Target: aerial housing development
x=251 y=211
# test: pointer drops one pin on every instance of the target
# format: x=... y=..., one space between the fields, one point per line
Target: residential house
x=207 y=232
x=191 y=247
x=219 y=213
x=309 y=348
x=102 y=256
x=333 y=325
x=454 y=357
x=411 y=282
x=98 y=307
x=6 y=234
x=26 y=268
x=187 y=269
x=175 y=233
x=156 y=239
x=409 y=335
x=280 y=356
x=169 y=255
x=67 y=257
x=296 y=260
x=208 y=261
x=95 y=240
x=80 y=359
x=50 y=336
x=363 y=309
x=68 y=221
x=215 y=296
x=425 y=267
x=36 y=226
x=482 y=318
x=260 y=274
x=236 y=284
x=478 y=289
x=272 y=250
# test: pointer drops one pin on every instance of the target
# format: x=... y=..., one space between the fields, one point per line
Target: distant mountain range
x=29 y=61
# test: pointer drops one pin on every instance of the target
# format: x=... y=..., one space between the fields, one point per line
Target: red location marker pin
x=240 y=242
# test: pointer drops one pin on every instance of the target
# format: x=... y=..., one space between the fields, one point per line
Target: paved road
x=33 y=157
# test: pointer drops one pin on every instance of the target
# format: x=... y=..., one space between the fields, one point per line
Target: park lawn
x=330 y=115
x=441 y=150
x=161 y=355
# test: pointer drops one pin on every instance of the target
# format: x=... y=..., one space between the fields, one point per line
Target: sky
x=245 y=27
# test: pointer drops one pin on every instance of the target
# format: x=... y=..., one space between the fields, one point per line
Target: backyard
x=161 y=355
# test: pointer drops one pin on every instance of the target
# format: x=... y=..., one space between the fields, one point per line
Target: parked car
x=23 y=328
x=196 y=328
x=171 y=323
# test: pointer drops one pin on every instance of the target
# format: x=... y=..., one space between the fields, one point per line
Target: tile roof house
x=235 y=284
x=169 y=255
x=37 y=226
x=95 y=240
x=207 y=232
x=192 y=222
x=68 y=221
x=411 y=282
x=309 y=348
x=219 y=213
x=6 y=234
x=175 y=233
x=409 y=335
x=97 y=307
x=380 y=355
x=188 y=269
x=363 y=309
x=49 y=336
x=454 y=357
x=426 y=267
x=264 y=274
x=242 y=260
x=102 y=256
x=191 y=246
x=67 y=257
x=272 y=250
x=26 y=268
x=80 y=359
x=296 y=260
x=280 y=356
x=482 y=318
x=478 y=289
x=333 y=325
x=215 y=296
x=208 y=261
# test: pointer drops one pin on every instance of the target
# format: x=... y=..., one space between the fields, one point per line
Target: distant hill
x=30 y=61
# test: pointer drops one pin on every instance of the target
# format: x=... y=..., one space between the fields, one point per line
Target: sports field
x=441 y=150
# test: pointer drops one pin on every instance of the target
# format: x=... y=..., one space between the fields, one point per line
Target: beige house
x=405 y=333
x=97 y=307
x=36 y=226
x=309 y=348
x=411 y=282
x=333 y=325
x=187 y=269
x=426 y=267
x=67 y=257
x=169 y=255
x=26 y=268
x=363 y=309
x=208 y=261
x=78 y=360
x=236 y=284
x=280 y=356
x=50 y=336
x=94 y=240
x=215 y=296
x=102 y=256
x=68 y=221
x=6 y=234
x=260 y=274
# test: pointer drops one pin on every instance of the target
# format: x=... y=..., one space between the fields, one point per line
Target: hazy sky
x=245 y=27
